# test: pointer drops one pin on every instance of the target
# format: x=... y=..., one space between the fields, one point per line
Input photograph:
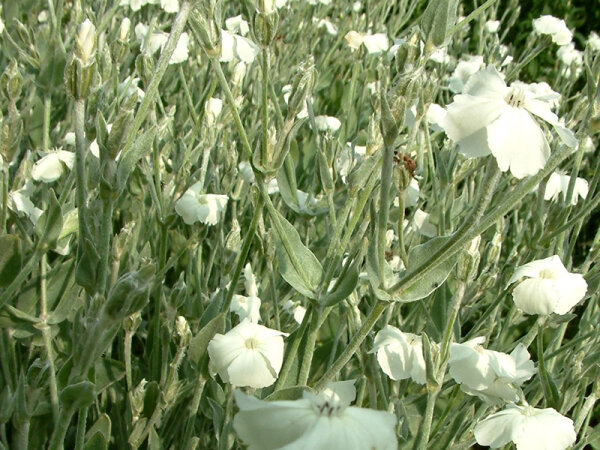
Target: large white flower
x=559 y=183
x=548 y=287
x=529 y=428
x=492 y=376
x=51 y=166
x=490 y=117
x=317 y=422
x=400 y=355
x=196 y=207
x=248 y=355
x=554 y=27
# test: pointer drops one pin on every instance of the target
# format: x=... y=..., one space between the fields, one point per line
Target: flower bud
x=265 y=6
x=11 y=81
x=265 y=27
x=239 y=72
x=124 y=30
x=468 y=261
x=85 y=42
x=302 y=87
x=130 y=294
x=183 y=331
x=438 y=19
x=207 y=32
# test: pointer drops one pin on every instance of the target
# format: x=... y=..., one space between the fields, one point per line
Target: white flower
x=559 y=183
x=464 y=70
x=548 y=287
x=588 y=145
x=423 y=225
x=295 y=309
x=324 y=23
x=50 y=167
x=248 y=355
x=236 y=46
x=246 y=307
x=85 y=41
x=572 y=58
x=181 y=52
x=440 y=56
x=212 y=110
x=556 y=28
x=529 y=428
x=129 y=86
x=374 y=43
x=400 y=355
x=348 y=158
x=237 y=25
x=124 y=29
x=593 y=41
x=328 y=123
x=490 y=117
x=245 y=171
x=491 y=375
x=19 y=202
x=157 y=40
x=492 y=26
x=170 y=6
x=196 y=207
x=317 y=422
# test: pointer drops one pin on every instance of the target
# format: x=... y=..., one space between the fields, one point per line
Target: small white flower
x=374 y=43
x=317 y=422
x=157 y=40
x=19 y=202
x=572 y=58
x=181 y=52
x=234 y=46
x=129 y=86
x=95 y=148
x=548 y=287
x=324 y=23
x=588 y=145
x=464 y=70
x=440 y=56
x=348 y=158
x=594 y=41
x=124 y=29
x=328 y=123
x=423 y=225
x=245 y=171
x=170 y=6
x=400 y=355
x=248 y=355
x=196 y=207
x=492 y=26
x=491 y=375
x=237 y=25
x=554 y=27
x=295 y=309
x=559 y=183
x=490 y=117
x=529 y=428
x=51 y=166
x=246 y=307
x=213 y=108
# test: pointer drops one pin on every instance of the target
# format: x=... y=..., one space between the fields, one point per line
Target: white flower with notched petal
x=559 y=183
x=490 y=117
x=554 y=27
x=237 y=25
x=234 y=46
x=51 y=166
x=374 y=43
x=19 y=202
x=196 y=207
x=317 y=422
x=248 y=355
x=529 y=428
x=492 y=376
x=328 y=123
x=400 y=355
x=157 y=40
x=548 y=287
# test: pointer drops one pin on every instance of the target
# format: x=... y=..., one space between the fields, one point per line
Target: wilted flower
x=196 y=207
x=556 y=28
x=51 y=166
x=400 y=355
x=248 y=355
x=559 y=183
x=318 y=422
x=489 y=374
x=490 y=117
x=548 y=287
x=528 y=427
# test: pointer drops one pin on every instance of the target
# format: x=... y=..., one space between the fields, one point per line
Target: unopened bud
x=85 y=42
x=265 y=27
x=265 y=6
x=183 y=331
x=11 y=81
x=302 y=87
x=208 y=33
x=124 y=30
x=437 y=20
x=468 y=261
x=130 y=294
x=239 y=72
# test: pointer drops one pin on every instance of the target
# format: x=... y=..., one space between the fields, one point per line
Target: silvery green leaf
x=141 y=147
x=297 y=264
x=10 y=258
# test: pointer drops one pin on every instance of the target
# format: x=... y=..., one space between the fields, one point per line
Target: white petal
x=223 y=350
x=535 y=268
x=572 y=288
x=245 y=49
x=67 y=157
x=475 y=145
x=469 y=114
x=536 y=296
x=180 y=54
x=517 y=142
x=187 y=207
x=376 y=43
x=249 y=368
x=487 y=82
x=498 y=429
x=545 y=429
x=227 y=46
x=47 y=169
x=469 y=365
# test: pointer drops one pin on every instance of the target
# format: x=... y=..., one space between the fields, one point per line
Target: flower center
x=328 y=408
x=547 y=274
x=516 y=97
x=528 y=410
x=251 y=343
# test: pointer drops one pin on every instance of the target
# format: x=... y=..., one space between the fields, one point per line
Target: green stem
x=47 y=338
x=293 y=350
x=81 y=198
x=309 y=347
x=548 y=391
x=60 y=429
x=352 y=346
x=387 y=166
x=81 y=428
x=193 y=411
x=21 y=439
x=127 y=357
x=47 y=113
x=536 y=51
x=264 y=107
x=106 y=230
